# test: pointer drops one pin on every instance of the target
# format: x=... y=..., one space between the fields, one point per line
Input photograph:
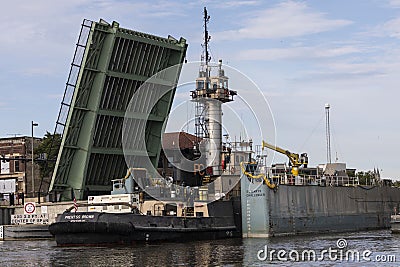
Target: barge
x=282 y=204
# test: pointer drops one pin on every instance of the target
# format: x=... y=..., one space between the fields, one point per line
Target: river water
x=377 y=246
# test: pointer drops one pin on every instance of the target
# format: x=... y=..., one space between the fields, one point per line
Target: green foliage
x=351 y=172
x=397 y=183
x=48 y=149
x=366 y=178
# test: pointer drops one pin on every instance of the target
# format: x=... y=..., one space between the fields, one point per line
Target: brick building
x=16 y=167
x=178 y=151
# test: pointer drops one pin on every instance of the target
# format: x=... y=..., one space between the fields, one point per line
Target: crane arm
x=293 y=157
x=277 y=149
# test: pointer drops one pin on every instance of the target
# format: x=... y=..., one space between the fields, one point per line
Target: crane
x=295 y=160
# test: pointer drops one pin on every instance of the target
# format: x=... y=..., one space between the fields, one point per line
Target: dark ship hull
x=92 y=228
x=96 y=228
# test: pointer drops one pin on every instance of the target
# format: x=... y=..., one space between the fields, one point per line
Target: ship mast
x=211 y=92
x=206 y=57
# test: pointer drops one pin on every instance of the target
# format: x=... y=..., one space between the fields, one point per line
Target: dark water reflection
x=231 y=252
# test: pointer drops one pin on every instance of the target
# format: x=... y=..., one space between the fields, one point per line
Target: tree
x=47 y=152
x=366 y=178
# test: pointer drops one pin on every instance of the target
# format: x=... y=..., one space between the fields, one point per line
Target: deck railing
x=315 y=180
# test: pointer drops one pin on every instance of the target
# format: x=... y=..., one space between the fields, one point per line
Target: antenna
x=206 y=58
x=328 y=134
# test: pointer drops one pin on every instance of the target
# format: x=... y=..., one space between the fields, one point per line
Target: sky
x=301 y=54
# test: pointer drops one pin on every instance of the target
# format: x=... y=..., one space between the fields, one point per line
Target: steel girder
x=116 y=62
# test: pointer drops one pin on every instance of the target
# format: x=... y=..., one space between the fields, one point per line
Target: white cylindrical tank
x=214 y=126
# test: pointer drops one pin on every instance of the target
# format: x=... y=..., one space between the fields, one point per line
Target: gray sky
x=301 y=54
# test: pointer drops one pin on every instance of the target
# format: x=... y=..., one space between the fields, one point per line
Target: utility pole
x=33 y=176
x=328 y=134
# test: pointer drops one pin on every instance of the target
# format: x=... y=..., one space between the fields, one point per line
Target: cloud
x=297 y=53
x=29 y=26
x=375 y=76
x=5 y=107
x=42 y=71
x=288 y=19
x=390 y=28
x=55 y=96
x=51 y=30
x=235 y=4
x=394 y=3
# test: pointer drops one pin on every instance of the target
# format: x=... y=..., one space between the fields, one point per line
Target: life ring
x=233 y=170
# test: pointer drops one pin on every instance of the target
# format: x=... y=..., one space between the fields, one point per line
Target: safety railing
x=314 y=180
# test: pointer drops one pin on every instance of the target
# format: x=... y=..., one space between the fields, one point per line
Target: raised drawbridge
x=109 y=65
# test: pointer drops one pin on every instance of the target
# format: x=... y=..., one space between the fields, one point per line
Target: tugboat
x=129 y=215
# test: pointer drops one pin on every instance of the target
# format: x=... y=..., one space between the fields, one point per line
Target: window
x=16 y=165
x=200 y=85
x=5 y=167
